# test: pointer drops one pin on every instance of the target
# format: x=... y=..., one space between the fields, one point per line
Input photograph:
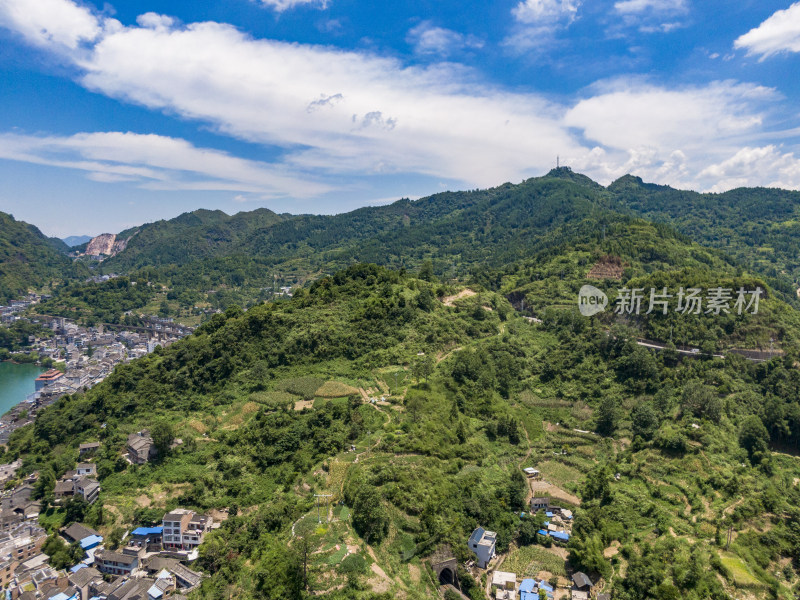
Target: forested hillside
x=30 y=261
x=210 y=260
x=268 y=403
x=757 y=226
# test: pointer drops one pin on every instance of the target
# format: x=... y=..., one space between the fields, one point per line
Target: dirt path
x=523 y=460
x=730 y=508
x=440 y=357
x=465 y=293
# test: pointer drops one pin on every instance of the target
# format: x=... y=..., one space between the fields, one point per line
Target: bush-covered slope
x=759 y=227
x=29 y=260
x=472 y=393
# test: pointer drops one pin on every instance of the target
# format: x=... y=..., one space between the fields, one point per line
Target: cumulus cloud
x=155 y=162
x=50 y=22
x=779 y=33
x=428 y=39
x=651 y=16
x=538 y=23
x=668 y=135
x=330 y=115
x=546 y=11
x=766 y=163
x=628 y=114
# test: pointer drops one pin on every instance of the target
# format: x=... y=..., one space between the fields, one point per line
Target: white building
x=482 y=545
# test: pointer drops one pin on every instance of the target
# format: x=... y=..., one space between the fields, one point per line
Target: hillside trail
x=465 y=293
x=523 y=460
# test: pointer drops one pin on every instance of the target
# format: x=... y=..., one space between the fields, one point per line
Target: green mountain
x=30 y=261
x=759 y=227
x=189 y=237
x=483 y=227
x=207 y=259
x=686 y=453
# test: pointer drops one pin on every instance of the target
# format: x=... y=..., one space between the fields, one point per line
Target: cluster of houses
x=558 y=527
x=78 y=483
x=504 y=587
x=89 y=353
x=153 y=562
x=482 y=543
x=8 y=313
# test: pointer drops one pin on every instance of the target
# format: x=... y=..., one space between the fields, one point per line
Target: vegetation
x=29 y=261
x=681 y=467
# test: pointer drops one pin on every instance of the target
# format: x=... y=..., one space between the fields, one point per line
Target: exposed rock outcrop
x=103 y=244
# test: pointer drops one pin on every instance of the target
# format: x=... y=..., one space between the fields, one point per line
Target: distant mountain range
x=458 y=232
x=76 y=240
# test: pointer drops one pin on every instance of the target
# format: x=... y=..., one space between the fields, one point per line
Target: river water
x=16 y=383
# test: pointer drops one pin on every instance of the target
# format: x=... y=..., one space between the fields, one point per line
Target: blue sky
x=118 y=113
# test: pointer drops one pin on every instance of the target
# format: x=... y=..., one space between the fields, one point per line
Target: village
x=89 y=355
x=506 y=585
x=150 y=562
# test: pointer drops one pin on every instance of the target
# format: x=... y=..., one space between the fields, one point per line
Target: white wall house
x=481 y=544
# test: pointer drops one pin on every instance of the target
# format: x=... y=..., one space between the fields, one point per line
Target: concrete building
x=184 y=529
x=482 y=545
x=115 y=563
x=47 y=378
x=141 y=448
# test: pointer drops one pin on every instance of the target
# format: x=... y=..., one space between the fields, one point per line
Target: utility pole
x=318 y=496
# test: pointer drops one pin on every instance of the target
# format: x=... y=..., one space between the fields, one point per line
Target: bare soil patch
x=608 y=267
x=465 y=293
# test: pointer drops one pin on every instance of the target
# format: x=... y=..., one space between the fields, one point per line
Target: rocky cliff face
x=102 y=244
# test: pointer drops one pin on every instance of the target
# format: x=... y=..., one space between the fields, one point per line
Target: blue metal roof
x=90 y=541
x=77 y=568
x=542 y=532
x=148 y=530
x=545 y=587
x=559 y=535
x=527 y=585
x=548 y=514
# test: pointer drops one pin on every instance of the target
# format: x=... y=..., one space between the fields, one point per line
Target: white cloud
x=538 y=23
x=337 y=115
x=428 y=39
x=155 y=162
x=330 y=109
x=282 y=5
x=627 y=114
x=650 y=16
x=765 y=164
x=665 y=135
x=546 y=11
x=48 y=22
x=779 y=33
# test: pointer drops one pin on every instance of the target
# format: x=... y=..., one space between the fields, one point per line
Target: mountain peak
x=570 y=175
x=634 y=181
